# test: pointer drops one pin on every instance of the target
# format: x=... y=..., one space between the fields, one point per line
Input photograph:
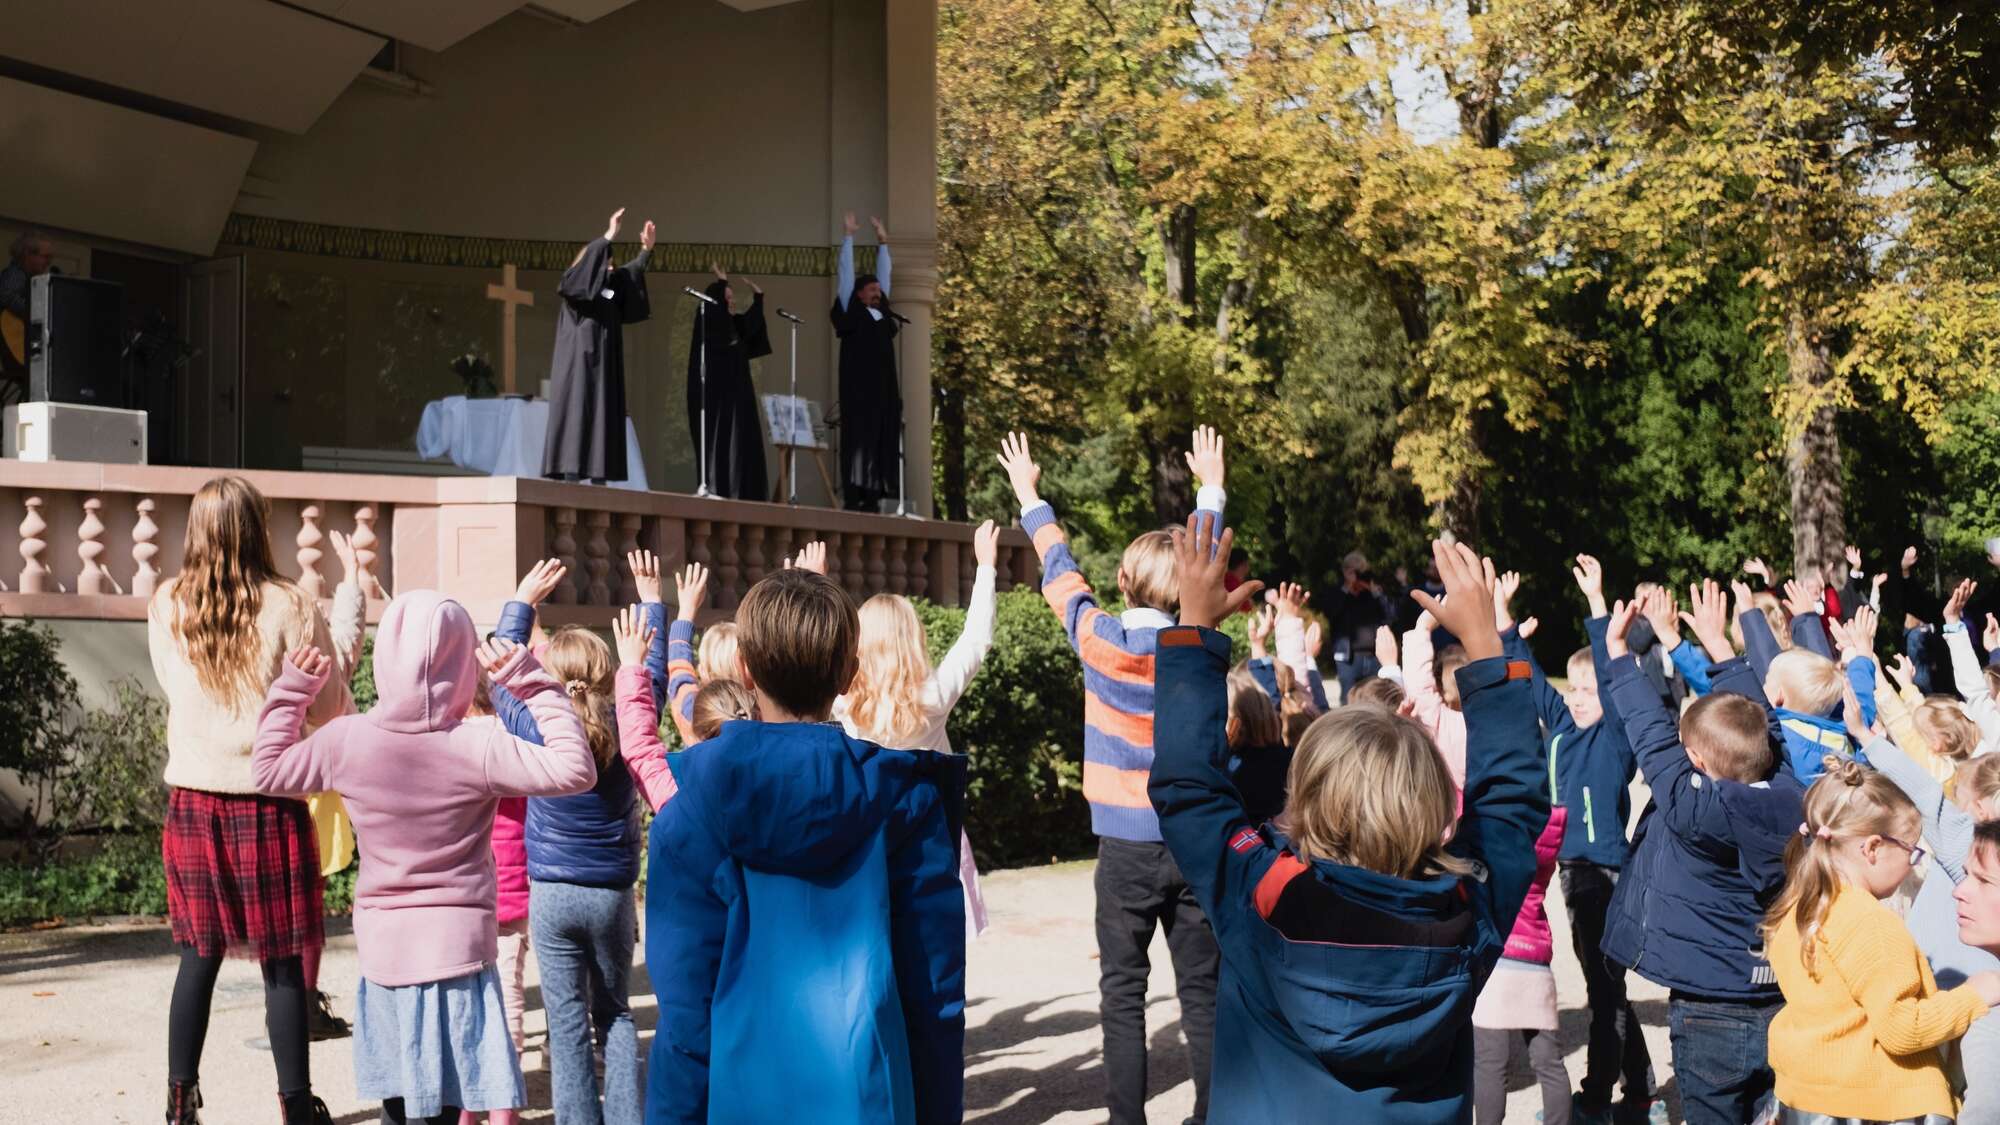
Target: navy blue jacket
x=1266 y=674
x=593 y=838
x=805 y=931
x=1708 y=855
x=1590 y=768
x=1345 y=994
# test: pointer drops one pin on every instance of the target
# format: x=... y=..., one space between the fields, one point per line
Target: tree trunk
x=1177 y=249
x=1812 y=454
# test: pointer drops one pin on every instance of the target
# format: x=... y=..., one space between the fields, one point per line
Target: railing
x=94 y=540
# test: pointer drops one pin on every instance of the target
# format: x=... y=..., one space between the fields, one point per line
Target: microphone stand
x=902 y=431
x=701 y=364
x=792 y=415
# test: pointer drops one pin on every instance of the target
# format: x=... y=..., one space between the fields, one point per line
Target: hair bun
x=1849 y=771
x=575 y=687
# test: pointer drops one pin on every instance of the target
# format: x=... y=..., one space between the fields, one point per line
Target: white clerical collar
x=873 y=311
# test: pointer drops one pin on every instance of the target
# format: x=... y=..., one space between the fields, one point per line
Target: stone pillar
x=912 y=219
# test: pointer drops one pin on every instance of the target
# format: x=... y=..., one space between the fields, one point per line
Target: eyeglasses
x=1916 y=853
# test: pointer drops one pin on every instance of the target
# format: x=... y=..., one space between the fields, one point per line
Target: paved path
x=83 y=1018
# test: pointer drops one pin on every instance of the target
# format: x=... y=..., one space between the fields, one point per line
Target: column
x=912 y=219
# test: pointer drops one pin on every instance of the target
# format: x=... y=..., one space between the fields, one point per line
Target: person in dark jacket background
x=1708 y=861
x=1352 y=948
x=1359 y=606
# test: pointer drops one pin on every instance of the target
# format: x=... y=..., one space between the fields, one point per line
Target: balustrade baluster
x=309 y=554
x=93 y=577
x=597 y=558
x=34 y=572
x=146 y=578
x=564 y=544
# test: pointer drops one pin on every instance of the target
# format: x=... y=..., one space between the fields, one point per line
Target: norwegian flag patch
x=1244 y=840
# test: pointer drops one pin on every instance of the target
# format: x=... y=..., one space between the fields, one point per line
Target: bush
x=38 y=706
x=123 y=876
x=112 y=778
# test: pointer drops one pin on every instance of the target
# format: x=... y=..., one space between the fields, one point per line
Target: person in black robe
x=735 y=446
x=586 y=435
x=871 y=396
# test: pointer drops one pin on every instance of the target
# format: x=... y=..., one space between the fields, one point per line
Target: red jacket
x=510 y=858
x=1531 y=940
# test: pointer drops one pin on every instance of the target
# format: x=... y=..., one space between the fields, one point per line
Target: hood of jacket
x=425 y=663
x=797 y=797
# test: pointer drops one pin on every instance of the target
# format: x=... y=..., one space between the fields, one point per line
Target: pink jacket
x=1531 y=940
x=1446 y=726
x=639 y=736
x=510 y=857
x=422 y=785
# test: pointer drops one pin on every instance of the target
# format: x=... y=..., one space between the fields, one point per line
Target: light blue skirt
x=437 y=1045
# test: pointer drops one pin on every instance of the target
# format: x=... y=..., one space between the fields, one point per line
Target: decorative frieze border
x=258 y=232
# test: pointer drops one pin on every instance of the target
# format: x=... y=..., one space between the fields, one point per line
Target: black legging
x=392 y=1114
x=284 y=1018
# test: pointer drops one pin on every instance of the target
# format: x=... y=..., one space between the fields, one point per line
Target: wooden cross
x=510 y=296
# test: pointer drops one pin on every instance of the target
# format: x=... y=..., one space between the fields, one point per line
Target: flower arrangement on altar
x=477 y=375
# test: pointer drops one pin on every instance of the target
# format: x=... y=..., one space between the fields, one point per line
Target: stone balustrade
x=91 y=541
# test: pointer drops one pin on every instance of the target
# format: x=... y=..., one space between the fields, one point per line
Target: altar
x=503 y=437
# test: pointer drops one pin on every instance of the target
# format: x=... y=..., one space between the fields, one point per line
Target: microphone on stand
x=788 y=316
x=697 y=294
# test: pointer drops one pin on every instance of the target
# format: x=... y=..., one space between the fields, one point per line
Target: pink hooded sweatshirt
x=422 y=785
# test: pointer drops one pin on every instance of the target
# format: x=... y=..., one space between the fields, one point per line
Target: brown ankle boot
x=183 y=1099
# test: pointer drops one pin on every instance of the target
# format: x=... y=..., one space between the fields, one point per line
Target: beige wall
x=723 y=126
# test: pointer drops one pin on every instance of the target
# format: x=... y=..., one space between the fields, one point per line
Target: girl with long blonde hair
x=242 y=869
x=899 y=700
x=1863 y=1014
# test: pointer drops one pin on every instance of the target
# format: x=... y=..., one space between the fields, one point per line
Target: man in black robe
x=586 y=436
x=735 y=438
x=871 y=396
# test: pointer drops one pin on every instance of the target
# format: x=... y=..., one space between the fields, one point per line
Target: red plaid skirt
x=242 y=875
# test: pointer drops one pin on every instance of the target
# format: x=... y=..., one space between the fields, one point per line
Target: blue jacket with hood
x=590 y=839
x=1590 y=768
x=1708 y=855
x=805 y=931
x=1345 y=994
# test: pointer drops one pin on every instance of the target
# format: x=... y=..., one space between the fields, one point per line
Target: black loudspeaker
x=74 y=340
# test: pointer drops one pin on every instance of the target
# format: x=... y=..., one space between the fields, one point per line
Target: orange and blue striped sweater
x=1117 y=655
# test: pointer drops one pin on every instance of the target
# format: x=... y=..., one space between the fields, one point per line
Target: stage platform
x=88 y=541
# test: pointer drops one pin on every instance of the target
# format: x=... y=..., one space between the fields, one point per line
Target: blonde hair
x=886 y=700
x=219 y=593
x=718 y=702
x=1849 y=801
x=1811 y=683
x=1945 y=725
x=581 y=661
x=797 y=636
x=1978 y=779
x=716 y=658
x=1449 y=660
x=1581 y=661
x=1148 y=574
x=1253 y=720
x=1296 y=707
x=1732 y=734
x=1376 y=691
x=1774 y=612
x=1369 y=790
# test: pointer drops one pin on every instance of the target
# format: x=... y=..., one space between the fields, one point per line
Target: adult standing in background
x=871 y=395
x=1357 y=609
x=586 y=435
x=735 y=435
x=28 y=258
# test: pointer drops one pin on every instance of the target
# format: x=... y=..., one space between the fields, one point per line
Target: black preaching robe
x=871 y=403
x=735 y=429
x=586 y=436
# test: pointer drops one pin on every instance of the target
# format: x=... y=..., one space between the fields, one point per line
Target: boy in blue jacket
x=1708 y=860
x=805 y=927
x=1354 y=940
x=1591 y=767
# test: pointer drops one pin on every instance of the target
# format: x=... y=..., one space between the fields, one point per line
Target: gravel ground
x=85 y=1021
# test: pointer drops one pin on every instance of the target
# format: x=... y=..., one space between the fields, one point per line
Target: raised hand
x=1745 y=600
x=1622 y=616
x=1954 y=606
x=1709 y=618
x=646 y=575
x=1862 y=629
x=1909 y=559
x=631 y=636
x=850 y=225
x=1528 y=627
x=1903 y=673
x=881 y=232
x=1202 y=564
x=646 y=234
x=1991 y=637
x=720 y=273
x=1022 y=472
x=350 y=561
x=1850 y=713
x=1756 y=566
x=1589 y=575
x=310 y=660
x=1386 y=653
x=986 y=544
x=1876 y=583
x=1800 y=598
x=1262 y=623
x=494 y=653
x=1661 y=611
x=811 y=557
x=1504 y=587
x=1313 y=639
x=611 y=228
x=691 y=590
x=540 y=581
x=1467 y=606
x=1289 y=598
x=1205 y=459
x=1853 y=554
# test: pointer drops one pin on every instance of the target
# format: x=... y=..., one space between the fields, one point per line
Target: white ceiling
x=247 y=59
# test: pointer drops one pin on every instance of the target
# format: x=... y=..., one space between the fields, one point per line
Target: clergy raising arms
x=728 y=398
x=586 y=435
x=871 y=397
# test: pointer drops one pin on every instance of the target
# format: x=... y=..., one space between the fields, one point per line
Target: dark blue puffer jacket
x=591 y=838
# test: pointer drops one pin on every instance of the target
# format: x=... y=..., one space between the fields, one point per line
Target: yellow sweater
x=1860 y=1040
